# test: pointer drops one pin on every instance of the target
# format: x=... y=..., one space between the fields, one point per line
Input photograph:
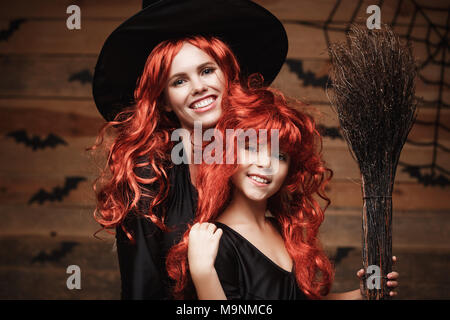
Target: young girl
x=260 y=218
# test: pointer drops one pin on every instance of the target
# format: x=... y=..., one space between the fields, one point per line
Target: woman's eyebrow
x=199 y=67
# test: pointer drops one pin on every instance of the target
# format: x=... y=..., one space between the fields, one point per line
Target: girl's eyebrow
x=199 y=67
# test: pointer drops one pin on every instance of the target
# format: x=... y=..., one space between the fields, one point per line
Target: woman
x=147 y=198
x=259 y=256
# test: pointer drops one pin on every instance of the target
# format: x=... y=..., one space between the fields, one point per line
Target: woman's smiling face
x=194 y=88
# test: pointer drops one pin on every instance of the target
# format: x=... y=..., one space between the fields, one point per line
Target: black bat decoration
x=35 y=142
x=309 y=78
x=341 y=253
x=84 y=76
x=55 y=255
x=58 y=193
x=13 y=27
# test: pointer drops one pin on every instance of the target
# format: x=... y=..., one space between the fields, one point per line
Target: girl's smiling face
x=194 y=88
x=262 y=174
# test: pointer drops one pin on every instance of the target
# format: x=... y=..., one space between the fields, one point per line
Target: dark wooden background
x=46 y=199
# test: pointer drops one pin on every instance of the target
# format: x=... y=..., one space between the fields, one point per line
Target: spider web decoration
x=438 y=55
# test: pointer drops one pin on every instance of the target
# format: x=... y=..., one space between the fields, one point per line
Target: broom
x=372 y=79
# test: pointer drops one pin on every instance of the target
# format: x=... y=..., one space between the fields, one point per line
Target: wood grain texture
x=421 y=230
x=58 y=38
x=305 y=41
x=319 y=10
x=50 y=9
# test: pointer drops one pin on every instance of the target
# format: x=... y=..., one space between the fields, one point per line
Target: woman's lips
x=205 y=108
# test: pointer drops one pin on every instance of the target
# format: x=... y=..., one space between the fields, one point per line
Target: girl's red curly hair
x=294 y=205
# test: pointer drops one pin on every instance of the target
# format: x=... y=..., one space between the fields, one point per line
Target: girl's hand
x=202 y=248
x=392 y=282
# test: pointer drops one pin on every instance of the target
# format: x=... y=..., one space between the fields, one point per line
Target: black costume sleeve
x=227 y=268
x=140 y=266
x=140 y=263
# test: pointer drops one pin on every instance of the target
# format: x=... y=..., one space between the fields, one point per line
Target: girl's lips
x=258 y=183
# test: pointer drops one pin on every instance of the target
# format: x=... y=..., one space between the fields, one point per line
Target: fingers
x=202 y=225
x=217 y=234
x=360 y=273
x=205 y=227
x=211 y=227
x=392 y=284
x=195 y=226
x=393 y=275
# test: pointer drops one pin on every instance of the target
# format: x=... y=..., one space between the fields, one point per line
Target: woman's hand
x=392 y=280
x=202 y=248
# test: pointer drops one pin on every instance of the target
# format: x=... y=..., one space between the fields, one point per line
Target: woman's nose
x=198 y=86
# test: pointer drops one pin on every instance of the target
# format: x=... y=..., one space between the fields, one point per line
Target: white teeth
x=259 y=179
x=203 y=103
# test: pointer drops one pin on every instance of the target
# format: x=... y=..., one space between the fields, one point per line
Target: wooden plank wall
x=45 y=89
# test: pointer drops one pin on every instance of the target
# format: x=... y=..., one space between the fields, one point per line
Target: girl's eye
x=249 y=147
x=281 y=156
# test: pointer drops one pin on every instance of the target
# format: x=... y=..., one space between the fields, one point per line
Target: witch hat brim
x=257 y=38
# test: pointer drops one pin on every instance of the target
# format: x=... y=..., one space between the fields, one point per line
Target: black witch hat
x=257 y=38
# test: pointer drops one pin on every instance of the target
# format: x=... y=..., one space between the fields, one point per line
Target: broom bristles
x=373 y=96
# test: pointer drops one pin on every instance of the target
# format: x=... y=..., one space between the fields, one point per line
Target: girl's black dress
x=245 y=273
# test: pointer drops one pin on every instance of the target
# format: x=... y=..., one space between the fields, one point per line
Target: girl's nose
x=263 y=159
x=266 y=161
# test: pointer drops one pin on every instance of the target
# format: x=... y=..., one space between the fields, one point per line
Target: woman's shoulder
x=144 y=168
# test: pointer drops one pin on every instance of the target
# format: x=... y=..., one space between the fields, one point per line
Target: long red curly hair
x=143 y=131
x=294 y=206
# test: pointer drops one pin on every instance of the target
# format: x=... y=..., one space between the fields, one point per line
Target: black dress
x=142 y=265
x=246 y=273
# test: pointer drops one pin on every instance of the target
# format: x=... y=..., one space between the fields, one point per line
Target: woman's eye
x=208 y=70
x=178 y=82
